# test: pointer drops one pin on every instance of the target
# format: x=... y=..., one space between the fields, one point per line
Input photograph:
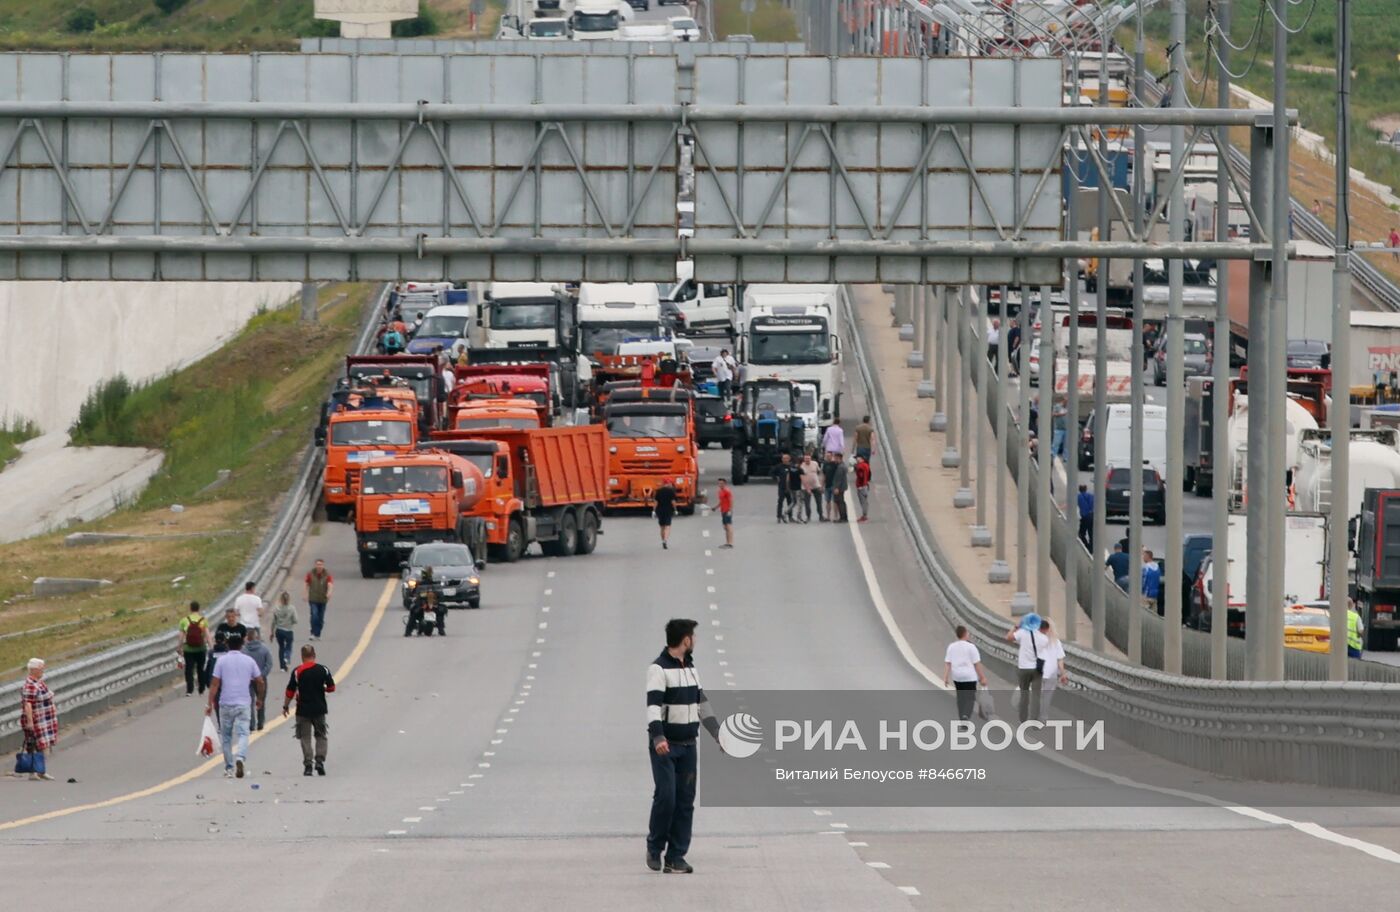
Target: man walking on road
x=250 y=605
x=789 y=480
x=1151 y=580
x=865 y=439
x=665 y=511
x=320 y=585
x=230 y=626
x=284 y=622
x=194 y=649
x=257 y=650
x=1356 y=631
x=1086 y=517
x=676 y=708
x=309 y=684
x=863 y=487
x=726 y=512
x=237 y=686
x=839 y=481
x=834 y=440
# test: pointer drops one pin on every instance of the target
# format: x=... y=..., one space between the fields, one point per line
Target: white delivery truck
x=611 y=313
x=540 y=319
x=707 y=308
x=1117 y=444
x=1304 y=565
x=793 y=332
x=596 y=20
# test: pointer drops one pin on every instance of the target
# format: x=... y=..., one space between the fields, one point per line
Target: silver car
x=1196 y=358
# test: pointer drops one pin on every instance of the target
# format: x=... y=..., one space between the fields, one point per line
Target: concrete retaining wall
x=60 y=339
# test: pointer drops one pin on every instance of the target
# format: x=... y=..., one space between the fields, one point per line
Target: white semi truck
x=793 y=332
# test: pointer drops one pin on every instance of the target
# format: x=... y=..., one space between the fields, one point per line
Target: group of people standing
x=822 y=478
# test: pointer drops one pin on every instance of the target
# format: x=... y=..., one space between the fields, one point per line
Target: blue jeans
x=672 y=800
x=1057 y=444
x=284 y=647
x=234 y=719
x=318 y=617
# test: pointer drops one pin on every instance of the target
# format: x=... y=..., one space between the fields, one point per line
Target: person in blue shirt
x=1086 y=517
x=1151 y=580
x=1117 y=564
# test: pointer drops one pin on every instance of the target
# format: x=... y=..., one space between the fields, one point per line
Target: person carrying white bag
x=209 y=743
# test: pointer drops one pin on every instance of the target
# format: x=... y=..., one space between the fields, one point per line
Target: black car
x=456 y=574
x=1118 y=496
x=1195 y=548
x=712 y=421
x=1311 y=354
x=639 y=4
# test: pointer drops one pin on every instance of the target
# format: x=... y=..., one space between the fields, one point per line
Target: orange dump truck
x=546 y=485
x=651 y=442
x=366 y=429
x=535 y=381
x=419 y=496
x=488 y=413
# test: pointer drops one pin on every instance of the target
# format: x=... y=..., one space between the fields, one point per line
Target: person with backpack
x=194 y=649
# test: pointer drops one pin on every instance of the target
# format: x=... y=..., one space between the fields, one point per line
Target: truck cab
x=705 y=307
x=420 y=372
x=493 y=413
x=1375 y=539
x=596 y=20
x=651 y=442
x=413 y=497
x=765 y=425
x=355 y=435
x=793 y=335
x=610 y=314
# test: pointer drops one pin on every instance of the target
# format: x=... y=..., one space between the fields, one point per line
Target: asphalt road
x=505 y=765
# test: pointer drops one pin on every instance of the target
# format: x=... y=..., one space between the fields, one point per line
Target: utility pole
x=1021 y=602
x=963 y=497
x=1176 y=378
x=1000 y=570
x=1045 y=460
x=1096 y=587
x=1220 y=374
x=1341 y=359
x=1138 y=393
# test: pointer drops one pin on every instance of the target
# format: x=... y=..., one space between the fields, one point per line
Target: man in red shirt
x=726 y=513
x=648 y=372
x=863 y=487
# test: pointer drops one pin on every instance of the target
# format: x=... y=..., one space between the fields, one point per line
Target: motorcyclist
x=425 y=599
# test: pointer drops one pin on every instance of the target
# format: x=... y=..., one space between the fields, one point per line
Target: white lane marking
x=840 y=826
x=878 y=865
x=502 y=731
x=709 y=571
x=519 y=703
x=822 y=813
x=532 y=665
x=545 y=609
x=539 y=639
x=705 y=533
x=730 y=683
x=527 y=686
x=530 y=677
x=536 y=655
x=857 y=845
x=710 y=589
x=498 y=740
x=722 y=664
x=397 y=833
x=719 y=636
x=830 y=833
x=709 y=553
x=1307 y=828
x=413 y=820
x=714 y=622
x=441 y=800
x=714 y=606
x=427 y=807
x=474 y=776
x=513 y=709
x=549 y=575
x=471 y=785
x=488 y=754
x=720 y=651
x=456 y=791
x=549 y=592
x=729 y=674
x=484 y=765
x=910 y=891
x=543 y=626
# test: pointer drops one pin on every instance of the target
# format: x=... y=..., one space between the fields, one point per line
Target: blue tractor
x=764 y=427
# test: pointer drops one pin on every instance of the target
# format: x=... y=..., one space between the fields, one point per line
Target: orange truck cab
x=546 y=485
x=651 y=442
x=489 y=413
x=413 y=497
x=355 y=434
x=533 y=381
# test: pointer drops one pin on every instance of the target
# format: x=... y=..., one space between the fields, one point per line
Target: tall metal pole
x=951 y=394
x=1278 y=357
x=963 y=498
x=1138 y=396
x=1072 y=394
x=1000 y=571
x=1044 y=459
x=1021 y=600
x=1176 y=378
x=939 y=420
x=981 y=535
x=1342 y=505
x=1256 y=483
x=924 y=301
x=1096 y=588
x=1220 y=382
x=915 y=358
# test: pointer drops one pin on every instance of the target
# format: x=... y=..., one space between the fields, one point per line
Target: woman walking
x=38 y=718
x=963 y=663
x=1054 y=669
x=284 y=622
x=811 y=486
x=665 y=512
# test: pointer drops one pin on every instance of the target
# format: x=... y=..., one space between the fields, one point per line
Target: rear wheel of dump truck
x=588 y=532
x=515 y=540
x=566 y=545
x=337 y=512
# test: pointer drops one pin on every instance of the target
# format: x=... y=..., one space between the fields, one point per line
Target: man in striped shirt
x=676 y=707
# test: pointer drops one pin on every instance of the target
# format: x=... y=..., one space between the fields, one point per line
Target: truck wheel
x=566 y=545
x=687 y=510
x=1189 y=480
x=588 y=533
x=367 y=568
x=739 y=467
x=1380 y=640
x=515 y=541
x=1203 y=485
x=337 y=512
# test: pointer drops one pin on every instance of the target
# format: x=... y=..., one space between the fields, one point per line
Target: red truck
x=421 y=372
x=545 y=485
x=478 y=382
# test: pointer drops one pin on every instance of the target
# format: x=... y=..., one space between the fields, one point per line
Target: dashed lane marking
x=341 y=673
x=877 y=865
x=413 y=820
x=910 y=891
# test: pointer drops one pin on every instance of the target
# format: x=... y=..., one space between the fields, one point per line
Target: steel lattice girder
x=557 y=166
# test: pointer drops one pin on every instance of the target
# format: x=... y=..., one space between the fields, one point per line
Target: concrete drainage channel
x=1338 y=735
x=92 y=684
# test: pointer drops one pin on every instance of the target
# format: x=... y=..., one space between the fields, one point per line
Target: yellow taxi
x=1307 y=627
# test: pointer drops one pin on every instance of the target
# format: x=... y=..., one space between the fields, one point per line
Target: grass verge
x=250 y=408
x=13 y=432
x=770 y=21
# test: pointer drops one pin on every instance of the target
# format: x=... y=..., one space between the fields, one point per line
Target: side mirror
x=457 y=479
x=1351 y=534
x=320 y=436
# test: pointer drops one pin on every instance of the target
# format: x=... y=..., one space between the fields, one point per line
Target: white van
x=1118 y=437
x=707 y=307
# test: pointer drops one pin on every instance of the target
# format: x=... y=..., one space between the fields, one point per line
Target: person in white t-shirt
x=1032 y=646
x=1054 y=669
x=249 y=605
x=963 y=664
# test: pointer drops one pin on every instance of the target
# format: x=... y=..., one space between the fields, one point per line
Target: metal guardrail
x=1342 y=735
x=89 y=684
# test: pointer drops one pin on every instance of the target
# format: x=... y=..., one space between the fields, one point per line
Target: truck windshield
x=524 y=314
x=443 y=327
x=806 y=401
x=604 y=338
x=355 y=433
x=404 y=480
x=789 y=347
x=492 y=421
x=548 y=28
x=486 y=462
x=647 y=425
x=595 y=22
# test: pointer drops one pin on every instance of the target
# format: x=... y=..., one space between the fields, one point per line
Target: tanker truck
x=1297 y=419
x=1374 y=463
x=414 y=497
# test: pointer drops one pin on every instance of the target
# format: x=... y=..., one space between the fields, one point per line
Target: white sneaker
x=228 y=772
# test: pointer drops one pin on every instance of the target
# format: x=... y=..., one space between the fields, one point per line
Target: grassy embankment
x=13 y=432
x=771 y=21
x=249 y=407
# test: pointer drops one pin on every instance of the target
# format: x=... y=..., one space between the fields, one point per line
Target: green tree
x=80 y=21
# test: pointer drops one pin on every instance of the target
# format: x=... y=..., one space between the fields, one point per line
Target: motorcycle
x=425 y=614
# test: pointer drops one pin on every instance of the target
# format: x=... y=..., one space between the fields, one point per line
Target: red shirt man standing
x=726 y=512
